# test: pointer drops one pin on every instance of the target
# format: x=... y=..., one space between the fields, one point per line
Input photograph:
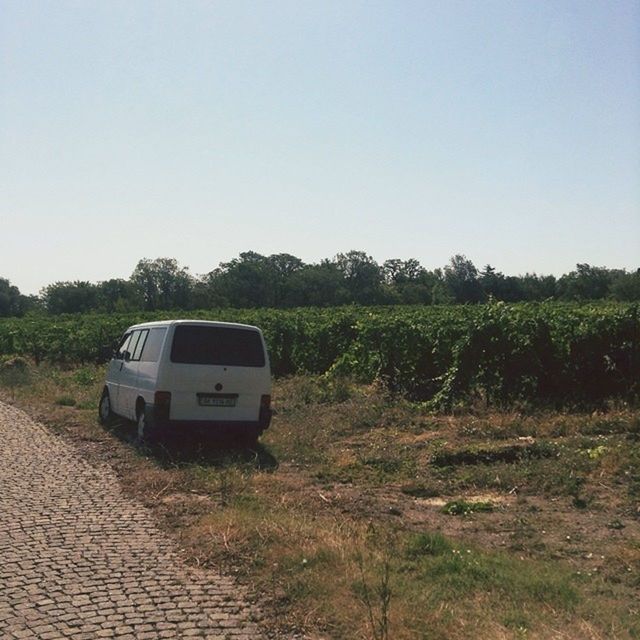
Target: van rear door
x=216 y=373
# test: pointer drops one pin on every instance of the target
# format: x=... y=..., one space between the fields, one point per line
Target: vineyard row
x=546 y=353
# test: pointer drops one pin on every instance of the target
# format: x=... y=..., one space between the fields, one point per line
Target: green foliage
x=562 y=354
x=85 y=376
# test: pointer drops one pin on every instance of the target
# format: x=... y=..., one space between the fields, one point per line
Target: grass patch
x=454 y=571
x=298 y=520
x=353 y=578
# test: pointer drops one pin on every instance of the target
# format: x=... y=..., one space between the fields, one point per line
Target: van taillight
x=264 y=418
x=162 y=401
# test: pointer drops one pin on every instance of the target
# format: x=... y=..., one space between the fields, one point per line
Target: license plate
x=210 y=400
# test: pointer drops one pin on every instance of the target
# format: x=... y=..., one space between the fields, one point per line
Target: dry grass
x=336 y=520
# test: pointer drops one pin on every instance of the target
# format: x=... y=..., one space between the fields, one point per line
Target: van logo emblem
x=218 y=387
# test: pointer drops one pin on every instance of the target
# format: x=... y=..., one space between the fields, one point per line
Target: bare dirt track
x=79 y=559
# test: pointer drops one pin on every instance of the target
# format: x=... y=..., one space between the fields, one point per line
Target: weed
x=376 y=595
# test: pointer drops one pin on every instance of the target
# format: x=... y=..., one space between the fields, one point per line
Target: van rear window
x=198 y=344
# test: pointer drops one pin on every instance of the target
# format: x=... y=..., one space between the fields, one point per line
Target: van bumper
x=226 y=427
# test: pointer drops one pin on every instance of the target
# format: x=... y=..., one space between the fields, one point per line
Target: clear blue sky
x=505 y=130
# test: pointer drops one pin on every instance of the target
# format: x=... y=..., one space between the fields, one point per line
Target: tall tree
x=247 y=281
x=362 y=275
x=535 y=287
x=163 y=283
x=316 y=285
x=461 y=279
x=118 y=295
x=586 y=283
x=70 y=297
x=408 y=281
x=284 y=266
x=496 y=285
x=396 y=271
x=626 y=287
x=12 y=302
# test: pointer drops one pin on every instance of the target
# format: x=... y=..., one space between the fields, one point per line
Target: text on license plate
x=205 y=400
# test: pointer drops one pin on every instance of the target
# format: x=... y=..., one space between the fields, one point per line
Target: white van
x=172 y=375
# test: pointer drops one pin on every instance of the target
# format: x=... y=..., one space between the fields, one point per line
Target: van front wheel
x=105 y=414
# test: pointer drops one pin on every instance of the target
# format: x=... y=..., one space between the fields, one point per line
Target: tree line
x=282 y=280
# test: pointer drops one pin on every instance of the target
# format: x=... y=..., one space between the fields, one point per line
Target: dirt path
x=78 y=559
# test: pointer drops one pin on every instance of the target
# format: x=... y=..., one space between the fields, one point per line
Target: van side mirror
x=105 y=353
x=127 y=356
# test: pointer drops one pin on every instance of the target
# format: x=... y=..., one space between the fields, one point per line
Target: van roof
x=214 y=323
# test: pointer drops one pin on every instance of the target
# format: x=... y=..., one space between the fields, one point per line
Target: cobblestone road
x=78 y=559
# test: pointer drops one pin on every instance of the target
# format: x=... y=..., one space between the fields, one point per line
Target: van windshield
x=198 y=344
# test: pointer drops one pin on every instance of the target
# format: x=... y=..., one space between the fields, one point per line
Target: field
x=560 y=355
x=435 y=473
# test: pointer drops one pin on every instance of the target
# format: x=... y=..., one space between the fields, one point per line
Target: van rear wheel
x=147 y=433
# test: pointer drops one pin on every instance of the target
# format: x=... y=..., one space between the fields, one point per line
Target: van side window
x=135 y=355
x=133 y=343
x=153 y=344
x=123 y=346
